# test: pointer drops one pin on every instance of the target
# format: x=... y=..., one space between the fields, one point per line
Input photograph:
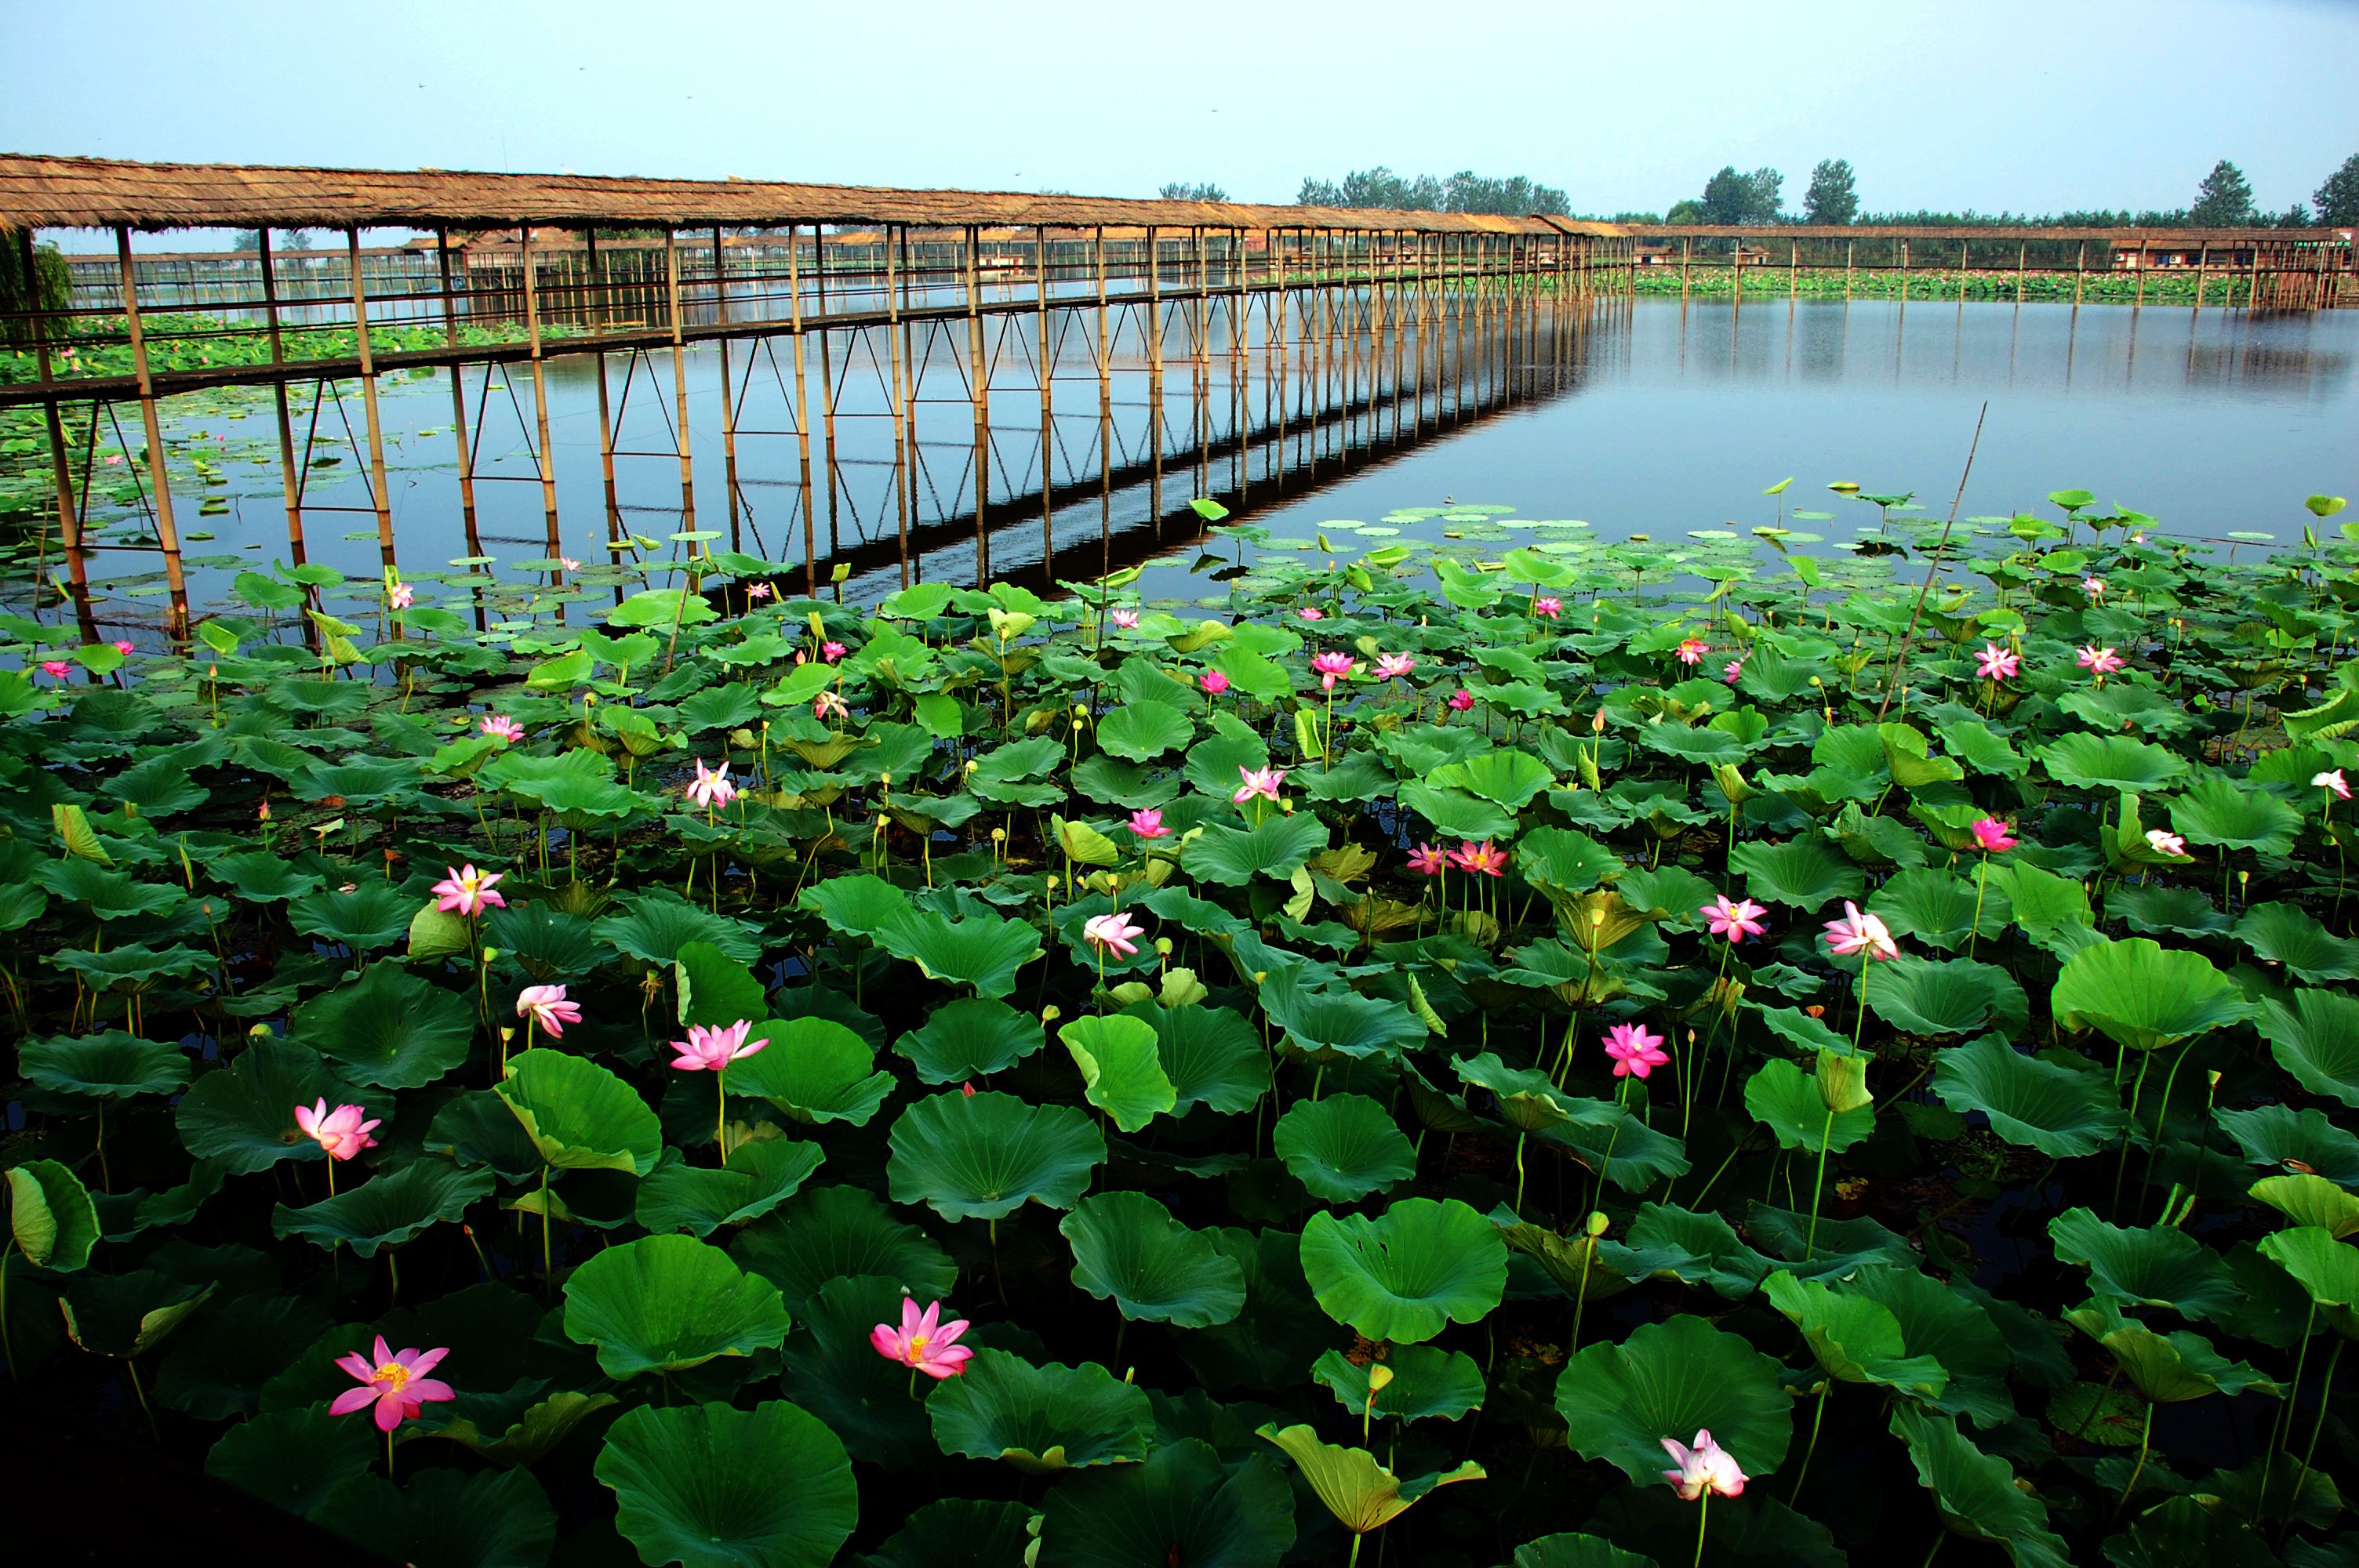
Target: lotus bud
x=1050 y=1013
x=1079 y=726
x=2212 y=1079
x=1052 y=880
x=1597 y=1222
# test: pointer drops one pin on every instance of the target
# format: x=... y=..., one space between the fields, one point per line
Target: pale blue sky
x=1626 y=105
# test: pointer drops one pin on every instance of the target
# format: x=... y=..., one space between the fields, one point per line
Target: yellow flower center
x=393 y=1373
x=917 y=1349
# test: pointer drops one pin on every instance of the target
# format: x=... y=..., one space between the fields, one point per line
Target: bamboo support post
x=168 y=533
x=380 y=497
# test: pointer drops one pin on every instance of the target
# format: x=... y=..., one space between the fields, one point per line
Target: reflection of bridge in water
x=933 y=385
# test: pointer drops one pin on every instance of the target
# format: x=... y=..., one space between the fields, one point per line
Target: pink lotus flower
x=2102 y=661
x=396 y=1384
x=830 y=652
x=1262 y=782
x=2332 y=783
x=56 y=667
x=1692 y=651
x=2095 y=587
x=1996 y=663
x=1858 y=932
x=400 y=595
x=1213 y=682
x=341 y=1131
x=2164 y=843
x=711 y=1050
x=1312 y=613
x=1479 y=857
x=1333 y=668
x=710 y=787
x=1394 y=666
x=829 y=705
x=1148 y=825
x=923 y=1341
x=758 y=591
x=1546 y=607
x=1428 y=861
x=124 y=649
x=468 y=892
x=1111 y=934
x=546 y=1006
x=114 y=459
x=500 y=727
x=1635 y=1053
x=1706 y=1467
x=1461 y=700
x=1735 y=921
x=1731 y=670
x=1991 y=836
x=568 y=563
x=1125 y=619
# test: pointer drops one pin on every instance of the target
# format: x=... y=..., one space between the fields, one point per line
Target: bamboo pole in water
x=900 y=407
x=1044 y=355
x=605 y=419
x=802 y=411
x=728 y=392
x=457 y=412
x=168 y=533
x=545 y=458
x=291 y=483
x=61 y=469
x=678 y=378
x=979 y=377
x=379 y=500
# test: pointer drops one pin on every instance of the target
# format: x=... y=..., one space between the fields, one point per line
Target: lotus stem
x=1704 y=1515
x=1817 y=1415
x=1818 y=1187
x=2325 y=1391
x=2145 y=1439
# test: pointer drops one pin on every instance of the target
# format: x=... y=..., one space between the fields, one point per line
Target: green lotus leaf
x=2061 y=1112
x=372 y=915
x=1502 y=775
x=547 y=944
x=1183 y=1505
x=1801 y=873
x=959 y=1532
x=1457 y=813
x=2323 y=1267
x=507 y=1435
x=1407 y=1275
x=2153 y=1266
x=2288 y=935
x=711 y=1487
x=113 y=1065
x=861 y=905
x=1569 y=1549
x=1232 y=857
x=1126 y=1246
x=491 y=1520
x=385 y=1211
x=827 y=1232
x=2143 y=996
x=655 y=926
x=983 y=950
x=2112 y=762
x=293 y=1457
x=1698 y=746
x=1616 y=1140
x=109 y=896
x=1281 y=1330
x=1343 y=1147
x=579 y=1116
x=2316 y=1040
x=1783 y=1098
x=2311 y=1201
x=2304 y=1142
x=260 y=877
x=984 y=1156
x=1041 y=1419
x=702 y=1199
x=1362 y=1494
x=815 y=1070
x=1943 y=1323
x=664 y=1304
x=715 y=989
x=2168 y=1369
x=391 y=1028
x=1141 y=731
x=1680 y=1376
x=1563 y=860
x=973 y=1037
x=1934 y=996
x=50 y=1216
x=1527 y=1099
x=2212 y=1529
x=1855 y=1338
x=124 y=1316
x=1122 y=1068
x=1426 y=1382
x=2220 y=811
x=1333 y=1025
x=1211 y=1054
x=1937 y=909
x=244 y=1115
x=1977 y=1491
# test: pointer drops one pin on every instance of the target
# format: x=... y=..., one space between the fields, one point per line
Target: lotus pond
x=1377 y=1074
